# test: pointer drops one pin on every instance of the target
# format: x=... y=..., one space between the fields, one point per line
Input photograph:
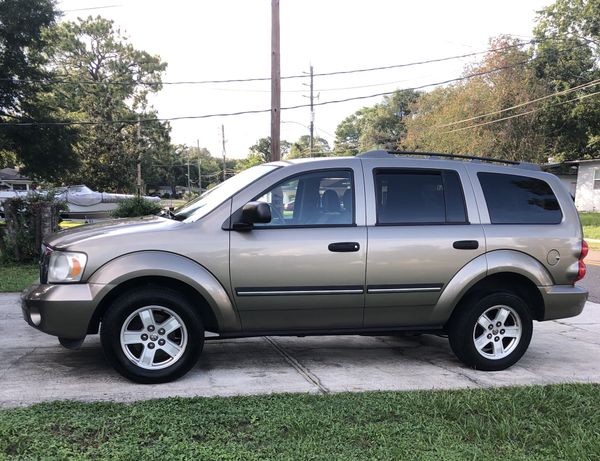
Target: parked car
x=381 y=243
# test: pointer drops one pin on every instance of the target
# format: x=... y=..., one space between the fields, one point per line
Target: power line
x=260 y=111
x=92 y=8
x=256 y=79
x=558 y=93
x=491 y=122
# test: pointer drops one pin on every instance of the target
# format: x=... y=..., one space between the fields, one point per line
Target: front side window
x=419 y=197
x=212 y=198
x=312 y=199
x=513 y=199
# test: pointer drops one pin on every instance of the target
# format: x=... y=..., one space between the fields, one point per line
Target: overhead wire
x=258 y=111
x=491 y=122
x=255 y=79
x=526 y=103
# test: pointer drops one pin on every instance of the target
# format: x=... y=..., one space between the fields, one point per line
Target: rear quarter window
x=513 y=199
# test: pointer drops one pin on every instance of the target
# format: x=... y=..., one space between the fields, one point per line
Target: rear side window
x=419 y=197
x=513 y=199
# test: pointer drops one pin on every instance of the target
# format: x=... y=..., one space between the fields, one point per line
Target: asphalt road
x=34 y=368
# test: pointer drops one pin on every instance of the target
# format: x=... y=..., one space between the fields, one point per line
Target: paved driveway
x=34 y=368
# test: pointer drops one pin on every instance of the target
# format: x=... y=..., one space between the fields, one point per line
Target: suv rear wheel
x=491 y=333
x=152 y=335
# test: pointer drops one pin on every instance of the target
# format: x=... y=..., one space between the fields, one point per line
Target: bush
x=136 y=206
x=28 y=221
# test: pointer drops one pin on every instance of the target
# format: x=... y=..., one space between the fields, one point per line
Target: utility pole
x=275 y=83
x=312 y=113
x=199 y=167
x=139 y=160
x=224 y=151
x=188 y=174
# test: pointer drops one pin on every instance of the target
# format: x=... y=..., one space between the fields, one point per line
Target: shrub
x=136 y=206
x=28 y=221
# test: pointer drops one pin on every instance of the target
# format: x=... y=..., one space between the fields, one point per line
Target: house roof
x=10 y=174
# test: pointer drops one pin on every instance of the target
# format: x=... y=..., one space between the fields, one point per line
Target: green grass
x=591 y=225
x=553 y=422
x=17 y=277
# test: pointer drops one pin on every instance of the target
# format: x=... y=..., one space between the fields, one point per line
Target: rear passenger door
x=421 y=233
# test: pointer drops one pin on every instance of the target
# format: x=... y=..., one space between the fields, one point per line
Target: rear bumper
x=562 y=301
x=60 y=310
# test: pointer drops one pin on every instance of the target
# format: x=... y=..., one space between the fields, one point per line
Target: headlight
x=66 y=266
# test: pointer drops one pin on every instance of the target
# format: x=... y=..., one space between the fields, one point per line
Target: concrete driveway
x=34 y=368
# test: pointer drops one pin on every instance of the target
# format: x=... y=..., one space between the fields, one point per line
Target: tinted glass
x=455 y=201
x=410 y=197
x=313 y=199
x=513 y=199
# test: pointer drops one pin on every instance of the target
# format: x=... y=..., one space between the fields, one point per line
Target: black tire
x=162 y=303
x=464 y=329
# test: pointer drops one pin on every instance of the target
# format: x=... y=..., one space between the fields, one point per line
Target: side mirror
x=253 y=213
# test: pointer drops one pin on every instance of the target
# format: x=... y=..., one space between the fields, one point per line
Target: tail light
x=582 y=269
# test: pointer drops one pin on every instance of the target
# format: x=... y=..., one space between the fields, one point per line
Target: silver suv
x=382 y=243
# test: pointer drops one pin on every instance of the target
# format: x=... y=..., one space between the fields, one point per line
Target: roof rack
x=433 y=155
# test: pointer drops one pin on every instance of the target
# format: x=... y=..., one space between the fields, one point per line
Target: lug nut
x=497 y=338
x=490 y=327
x=144 y=337
x=489 y=336
x=502 y=332
x=498 y=324
x=161 y=331
x=151 y=346
x=161 y=342
x=151 y=328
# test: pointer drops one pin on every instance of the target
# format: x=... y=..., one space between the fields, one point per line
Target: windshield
x=212 y=198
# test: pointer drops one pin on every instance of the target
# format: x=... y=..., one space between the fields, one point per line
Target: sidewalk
x=593 y=258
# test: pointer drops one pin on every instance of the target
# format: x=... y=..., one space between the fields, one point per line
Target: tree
x=451 y=119
x=22 y=23
x=378 y=127
x=45 y=150
x=567 y=55
x=262 y=149
x=301 y=148
x=109 y=81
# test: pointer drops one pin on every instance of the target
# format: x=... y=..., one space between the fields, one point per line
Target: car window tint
x=513 y=199
x=419 y=197
x=312 y=199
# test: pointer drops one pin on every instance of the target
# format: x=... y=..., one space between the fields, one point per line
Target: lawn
x=591 y=225
x=16 y=277
x=552 y=422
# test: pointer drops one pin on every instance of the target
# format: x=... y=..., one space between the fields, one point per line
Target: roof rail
x=433 y=155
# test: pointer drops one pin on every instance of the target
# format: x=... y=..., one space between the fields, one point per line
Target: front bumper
x=60 y=310
x=562 y=301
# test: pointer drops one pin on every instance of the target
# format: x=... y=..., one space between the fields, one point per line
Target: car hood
x=110 y=229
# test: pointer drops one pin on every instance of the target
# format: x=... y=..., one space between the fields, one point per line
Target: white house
x=587 y=195
x=10 y=179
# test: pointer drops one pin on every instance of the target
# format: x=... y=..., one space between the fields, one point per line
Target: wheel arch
x=174 y=271
x=509 y=282
x=500 y=270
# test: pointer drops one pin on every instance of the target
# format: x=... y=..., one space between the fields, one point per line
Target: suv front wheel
x=491 y=333
x=152 y=335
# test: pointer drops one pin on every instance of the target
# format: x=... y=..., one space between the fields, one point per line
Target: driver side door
x=304 y=270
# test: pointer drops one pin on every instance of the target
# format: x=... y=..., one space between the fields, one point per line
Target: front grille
x=44 y=263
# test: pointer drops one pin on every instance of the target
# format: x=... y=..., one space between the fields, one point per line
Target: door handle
x=466 y=244
x=344 y=247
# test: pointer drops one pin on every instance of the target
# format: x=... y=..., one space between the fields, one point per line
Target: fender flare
x=169 y=265
x=493 y=262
